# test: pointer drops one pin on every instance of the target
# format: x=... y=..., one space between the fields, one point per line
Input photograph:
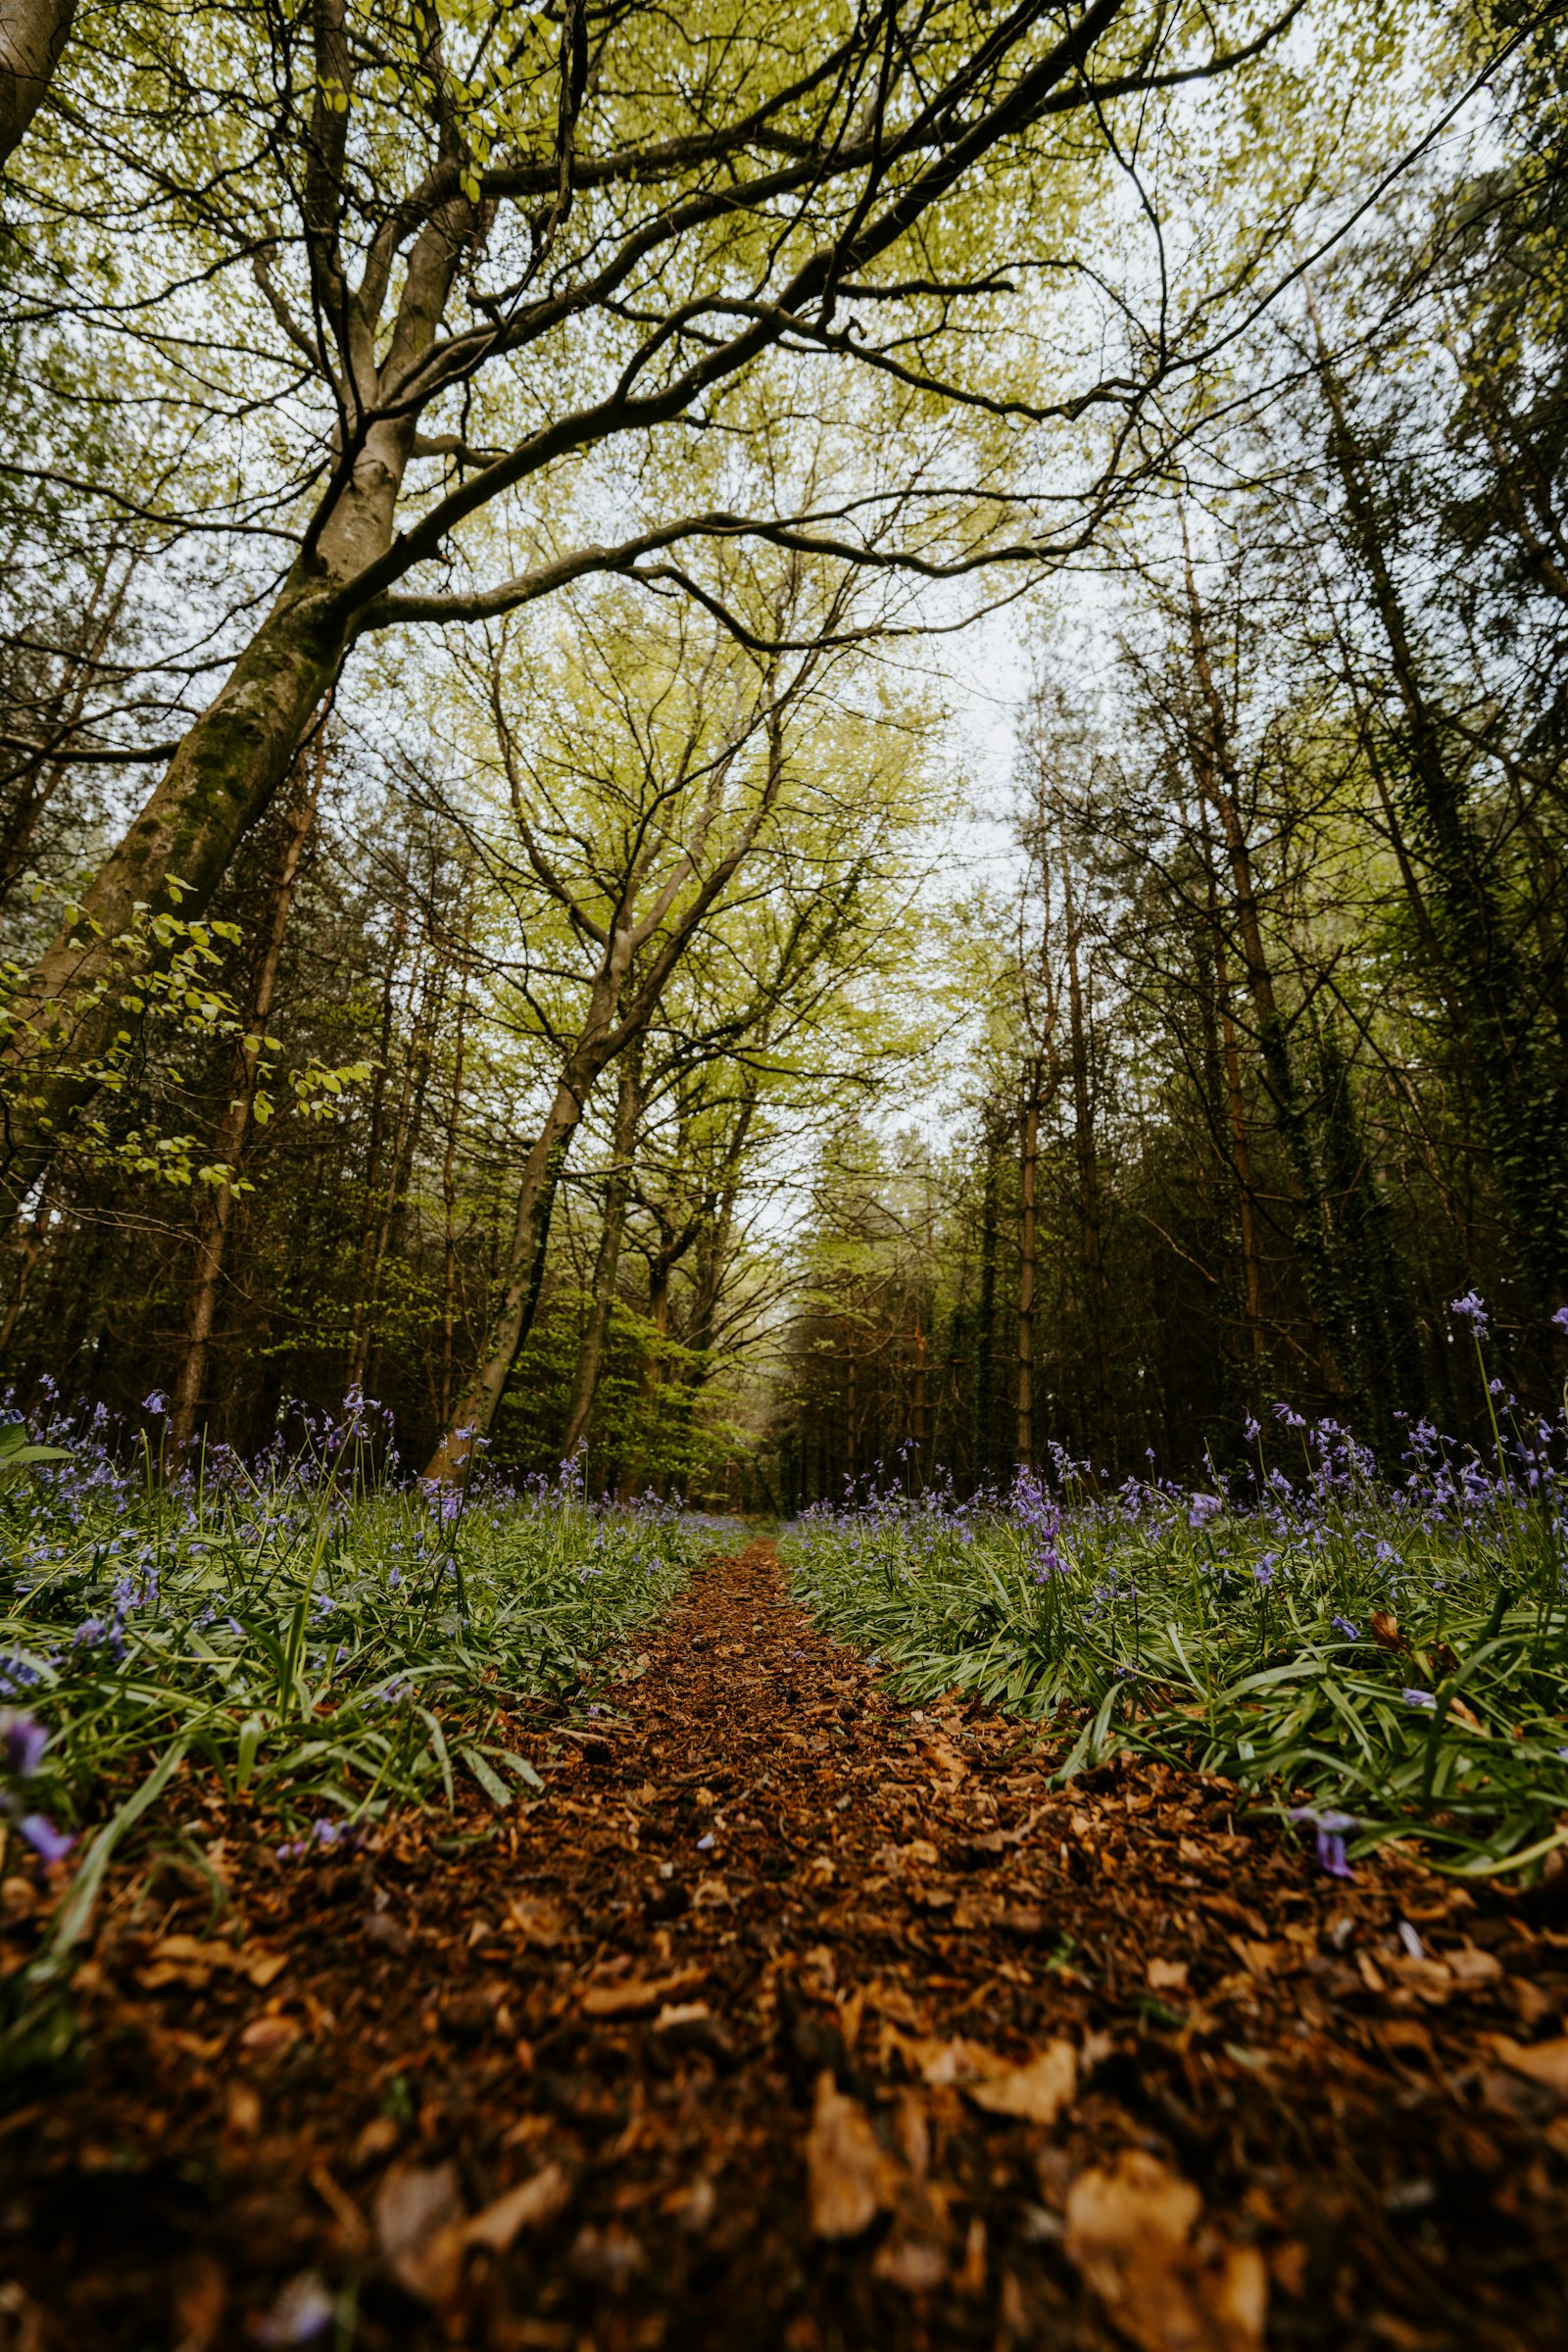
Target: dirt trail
x=789 y=2017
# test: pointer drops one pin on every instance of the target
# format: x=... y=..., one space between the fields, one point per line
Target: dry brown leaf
x=1428 y=1979
x=954 y=2061
x=945 y=1757
x=675 y=2014
x=270 y=2036
x=638 y=1994
x=1386 y=1630
x=531 y=2205
x=1166 y=1976
x=537 y=1921
x=417 y=2208
x=918 y=2265
x=1543 y=2062
x=849 y=2177
x=1130 y=2234
x=1037 y=2092
x=1471 y=1968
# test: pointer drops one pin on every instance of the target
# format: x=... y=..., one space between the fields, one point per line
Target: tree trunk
x=1026 y=1279
x=1085 y=1153
x=985 y=1393
x=212 y=1226
x=449 y=1164
x=618 y=1191
x=32 y=35
x=1240 y=1157
x=230 y=763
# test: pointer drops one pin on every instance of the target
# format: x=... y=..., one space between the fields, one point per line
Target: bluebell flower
x=1343 y=1625
x=45 y=1839
x=1473 y=1312
x=1330 y=1828
x=23 y=1741
x=1418 y=1698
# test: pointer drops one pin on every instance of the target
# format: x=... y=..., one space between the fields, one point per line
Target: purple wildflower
x=1418 y=1698
x=155 y=1401
x=1343 y=1625
x=1473 y=1311
x=1204 y=1508
x=1561 y=1318
x=1331 y=1829
x=44 y=1838
x=25 y=1740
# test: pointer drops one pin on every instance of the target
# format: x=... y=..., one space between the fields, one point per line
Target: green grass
x=326 y=1644
x=1233 y=1633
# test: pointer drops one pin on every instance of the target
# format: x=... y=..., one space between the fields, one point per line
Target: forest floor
x=791 y=2016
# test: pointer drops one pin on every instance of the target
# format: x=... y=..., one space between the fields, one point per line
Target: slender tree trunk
x=919 y=1413
x=1026 y=1279
x=213 y=1225
x=1241 y=1160
x=618 y=1192
x=449 y=1164
x=985 y=1391
x=1084 y=1151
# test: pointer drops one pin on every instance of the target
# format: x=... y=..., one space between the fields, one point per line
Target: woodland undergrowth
x=329 y=1641
x=1376 y=1655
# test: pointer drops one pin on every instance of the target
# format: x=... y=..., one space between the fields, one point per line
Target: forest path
x=789 y=2016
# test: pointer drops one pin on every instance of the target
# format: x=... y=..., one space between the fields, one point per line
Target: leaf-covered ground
x=792 y=2016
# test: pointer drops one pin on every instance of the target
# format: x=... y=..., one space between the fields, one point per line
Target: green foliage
x=160 y=976
x=1395 y=1654
x=327 y=1644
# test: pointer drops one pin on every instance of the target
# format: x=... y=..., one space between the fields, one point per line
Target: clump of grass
x=328 y=1642
x=1394 y=1652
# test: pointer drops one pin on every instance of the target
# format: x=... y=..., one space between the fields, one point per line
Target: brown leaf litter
x=791 y=2017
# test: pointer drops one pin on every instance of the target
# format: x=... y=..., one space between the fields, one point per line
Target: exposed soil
x=790 y=2017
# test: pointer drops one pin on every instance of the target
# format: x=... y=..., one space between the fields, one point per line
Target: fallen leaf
x=945 y=1757
x=1543 y=2062
x=1166 y=1976
x=1036 y=2092
x=1129 y=2233
x=637 y=1994
x=1428 y=1979
x=918 y=2265
x=1471 y=1968
x=263 y=1967
x=1386 y=1630
x=955 y=2061
x=537 y=1921
x=415 y=2209
x=377 y=2140
x=531 y=2205
x=849 y=2177
x=270 y=2036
